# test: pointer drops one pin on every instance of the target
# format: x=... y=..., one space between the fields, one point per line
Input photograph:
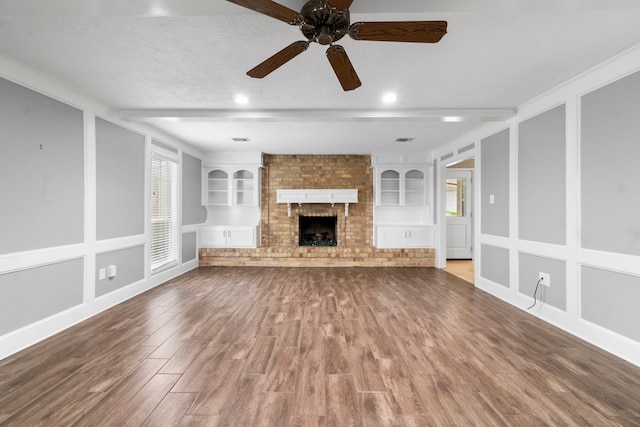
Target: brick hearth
x=317 y=257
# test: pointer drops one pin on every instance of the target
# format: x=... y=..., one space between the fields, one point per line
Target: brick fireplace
x=317 y=230
x=280 y=244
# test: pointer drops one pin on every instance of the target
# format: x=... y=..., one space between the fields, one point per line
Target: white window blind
x=164 y=212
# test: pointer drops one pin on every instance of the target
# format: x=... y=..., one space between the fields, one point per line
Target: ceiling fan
x=327 y=21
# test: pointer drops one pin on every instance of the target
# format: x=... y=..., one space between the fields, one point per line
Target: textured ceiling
x=179 y=56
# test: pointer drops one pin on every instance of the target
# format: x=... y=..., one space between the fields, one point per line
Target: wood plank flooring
x=318 y=347
x=464 y=269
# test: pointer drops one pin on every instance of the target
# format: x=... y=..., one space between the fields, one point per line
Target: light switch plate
x=112 y=271
x=102 y=274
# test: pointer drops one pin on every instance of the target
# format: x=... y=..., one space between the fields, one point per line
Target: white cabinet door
x=406 y=237
x=213 y=237
x=421 y=237
x=241 y=237
x=391 y=237
x=227 y=237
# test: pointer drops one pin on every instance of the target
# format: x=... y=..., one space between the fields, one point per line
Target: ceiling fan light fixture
x=326 y=22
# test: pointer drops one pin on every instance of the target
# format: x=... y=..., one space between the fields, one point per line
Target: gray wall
x=494 y=158
x=130 y=269
x=41 y=171
x=610 y=167
x=611 y=300
x=120 y=173
x=494 y=264
x=189 y=247
x=542 y=177
x=27 y=296
x=530 y=266
x=192 y=210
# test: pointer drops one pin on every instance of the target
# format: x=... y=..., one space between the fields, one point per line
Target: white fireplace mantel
x=331 y=196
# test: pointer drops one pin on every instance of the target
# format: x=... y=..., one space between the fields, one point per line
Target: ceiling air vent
x=241 y=139
x=404 y=139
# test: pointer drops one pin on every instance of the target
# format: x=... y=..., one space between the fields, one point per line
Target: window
x=456 y=194
x=164 y=212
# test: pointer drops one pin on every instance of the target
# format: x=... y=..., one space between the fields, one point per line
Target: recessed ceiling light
x=404 y=139
x=389 y=98
x=241 y=139
x=241 y=99
x=159 y=11
x=452 y=119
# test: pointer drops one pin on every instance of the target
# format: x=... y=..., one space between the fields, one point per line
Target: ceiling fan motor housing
x=322 y=23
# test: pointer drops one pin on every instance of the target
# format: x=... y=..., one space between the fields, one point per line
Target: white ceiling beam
x=318 y=115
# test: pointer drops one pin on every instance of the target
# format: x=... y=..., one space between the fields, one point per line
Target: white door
x=459 y=214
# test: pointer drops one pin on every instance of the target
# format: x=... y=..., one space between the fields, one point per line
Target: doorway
x=459 y=219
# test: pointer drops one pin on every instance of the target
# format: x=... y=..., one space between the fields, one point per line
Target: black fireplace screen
x=318 y=231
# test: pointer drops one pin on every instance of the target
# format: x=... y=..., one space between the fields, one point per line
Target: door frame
x=443 y=161
x=470 y=205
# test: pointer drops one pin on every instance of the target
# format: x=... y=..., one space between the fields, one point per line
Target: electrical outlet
x=545 y=278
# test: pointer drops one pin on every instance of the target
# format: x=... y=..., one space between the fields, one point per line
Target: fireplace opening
x=318 y=230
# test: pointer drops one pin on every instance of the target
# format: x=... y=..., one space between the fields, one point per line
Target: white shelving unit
x=402 y=218
x=233 y=200
x=389 y=188
x=414 y=188
x=243 y=188
x=218 y=188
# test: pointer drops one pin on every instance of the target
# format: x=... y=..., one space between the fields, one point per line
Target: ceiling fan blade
x=272 y=9
x=278 y=60
x=340 y=4
x=405 y=31
x=343 y=68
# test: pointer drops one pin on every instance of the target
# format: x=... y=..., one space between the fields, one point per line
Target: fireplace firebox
x=318 y=230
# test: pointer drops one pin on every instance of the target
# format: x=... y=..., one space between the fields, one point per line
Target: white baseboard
x=27 y=336
x=616 y=344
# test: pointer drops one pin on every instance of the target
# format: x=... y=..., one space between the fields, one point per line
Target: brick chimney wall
x=317 y=172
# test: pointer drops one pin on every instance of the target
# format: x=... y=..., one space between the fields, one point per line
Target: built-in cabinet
x=217 y=187
x=232 y=187
x=409 y=236
x=245 y=188
x=402 y=208
x=401 y=187
x=232 y=196
x=220 y=236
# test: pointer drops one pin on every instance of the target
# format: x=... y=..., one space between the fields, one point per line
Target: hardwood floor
x=316 y=347
x=464 y=269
